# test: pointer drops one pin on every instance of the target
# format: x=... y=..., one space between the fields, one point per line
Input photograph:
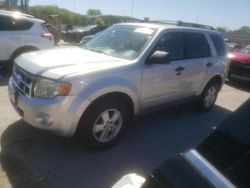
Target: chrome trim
x=208 y=170
x=239 y=77
x=23 y=81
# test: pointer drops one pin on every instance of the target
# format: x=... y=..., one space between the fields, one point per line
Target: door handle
x=179 y=69
x=209 y=64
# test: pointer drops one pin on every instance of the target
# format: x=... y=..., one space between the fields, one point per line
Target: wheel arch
x=117 y=95
x=216 y=78
x=111 y=95
x=19 y=51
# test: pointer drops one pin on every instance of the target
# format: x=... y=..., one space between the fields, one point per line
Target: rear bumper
x=207 y=170
x=187 y=170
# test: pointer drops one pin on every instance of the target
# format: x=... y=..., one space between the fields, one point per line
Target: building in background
x=240 y=38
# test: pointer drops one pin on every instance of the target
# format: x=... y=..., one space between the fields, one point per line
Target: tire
x=208 y=97
x=108 y=131
x=7 y=65
x=22 y=51
x=16 y=54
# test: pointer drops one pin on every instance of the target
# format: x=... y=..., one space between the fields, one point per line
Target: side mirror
x=159 y=57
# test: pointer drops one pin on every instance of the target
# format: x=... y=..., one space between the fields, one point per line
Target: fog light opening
x=43 y=119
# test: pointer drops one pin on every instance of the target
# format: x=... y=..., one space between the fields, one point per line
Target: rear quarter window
x=12 y=24
x=218 y=44
x=196 y=45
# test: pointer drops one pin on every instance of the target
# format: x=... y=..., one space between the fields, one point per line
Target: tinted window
x=11 y=24
x=173 y=44
x=196 y=46
x=218 y=44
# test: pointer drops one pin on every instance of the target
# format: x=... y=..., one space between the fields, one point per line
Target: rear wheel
x=208 y=97
x=103 y=124
x=22 y=51
x=18 y=53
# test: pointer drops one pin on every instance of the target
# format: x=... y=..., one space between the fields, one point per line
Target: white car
x=93 y=91
x=20 y=33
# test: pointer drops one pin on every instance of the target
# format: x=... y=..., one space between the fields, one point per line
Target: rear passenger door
x=198 y=56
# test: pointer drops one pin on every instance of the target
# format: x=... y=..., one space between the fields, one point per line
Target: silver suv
x=93 y=91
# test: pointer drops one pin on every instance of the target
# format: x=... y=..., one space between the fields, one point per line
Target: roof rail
x=184 y=24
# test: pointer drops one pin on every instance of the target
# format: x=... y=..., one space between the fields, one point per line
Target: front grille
x=239 y=68
x=24 y=81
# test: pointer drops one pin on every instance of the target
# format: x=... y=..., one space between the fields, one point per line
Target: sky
x=218 y=13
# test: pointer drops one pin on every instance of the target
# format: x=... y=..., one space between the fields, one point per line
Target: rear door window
x=196 y=46
x=218 y=44
x=11 y=24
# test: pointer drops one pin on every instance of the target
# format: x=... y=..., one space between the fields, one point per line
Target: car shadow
x=239 y=85
x=4 y=76
x=33 y=158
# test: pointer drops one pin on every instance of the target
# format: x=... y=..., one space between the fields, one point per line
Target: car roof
x=19 y=15
x=164 y=26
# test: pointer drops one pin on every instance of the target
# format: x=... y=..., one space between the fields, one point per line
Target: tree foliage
x=70 y=18
x=94 y=12
x=67 y=17
x=243 y=29
x=99 y=21
x=222 y=29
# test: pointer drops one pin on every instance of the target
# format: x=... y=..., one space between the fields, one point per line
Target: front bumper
x=239 y=71
x=57 y=112
x=233 y=76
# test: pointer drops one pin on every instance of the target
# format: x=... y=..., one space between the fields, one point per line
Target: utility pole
x=132 y=8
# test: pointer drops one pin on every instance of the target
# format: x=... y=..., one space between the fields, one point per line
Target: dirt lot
x=31 y=158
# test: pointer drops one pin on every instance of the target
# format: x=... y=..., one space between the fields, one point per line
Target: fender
x=18 y=51
x=203 y=85
x=97 y=89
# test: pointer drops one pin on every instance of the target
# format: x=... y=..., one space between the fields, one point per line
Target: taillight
x=47 y=36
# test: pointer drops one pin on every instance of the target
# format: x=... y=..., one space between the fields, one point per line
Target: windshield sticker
x=144 y=31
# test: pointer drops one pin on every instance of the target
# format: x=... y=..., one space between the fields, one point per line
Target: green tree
x=67 y=17
x=94 y=12
x=99 y=21
x=222 y=29
x=243 y=29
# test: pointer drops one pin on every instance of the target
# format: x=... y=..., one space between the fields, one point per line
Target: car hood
x=64 y=61
x=241 y=57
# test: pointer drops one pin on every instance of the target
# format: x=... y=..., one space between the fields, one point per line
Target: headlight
x=230 y=55
x=48 y=88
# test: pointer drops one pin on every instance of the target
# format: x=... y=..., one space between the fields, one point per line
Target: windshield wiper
x=96 y=50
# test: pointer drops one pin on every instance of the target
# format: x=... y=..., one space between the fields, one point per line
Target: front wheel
x=208 y=97
x=103 y=124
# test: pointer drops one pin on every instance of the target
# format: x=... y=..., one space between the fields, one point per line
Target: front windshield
x=126 y=42
x=246 y=50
